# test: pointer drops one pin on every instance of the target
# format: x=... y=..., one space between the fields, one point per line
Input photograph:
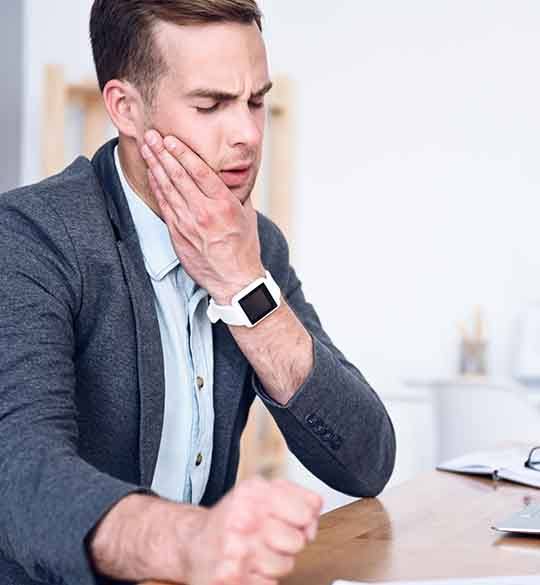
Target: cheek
x=203 y=140
x=197 y=132
x=169 y=122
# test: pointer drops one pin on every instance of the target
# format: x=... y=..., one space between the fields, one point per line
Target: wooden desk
x=436 y=526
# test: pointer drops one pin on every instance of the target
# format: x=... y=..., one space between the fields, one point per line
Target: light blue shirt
x=185 y=451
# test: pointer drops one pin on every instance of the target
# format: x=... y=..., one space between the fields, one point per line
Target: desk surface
x=435 y=526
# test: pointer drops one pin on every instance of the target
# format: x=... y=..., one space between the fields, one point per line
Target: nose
x=246 y=127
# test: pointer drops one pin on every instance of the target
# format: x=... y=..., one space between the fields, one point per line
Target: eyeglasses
x=533 y=460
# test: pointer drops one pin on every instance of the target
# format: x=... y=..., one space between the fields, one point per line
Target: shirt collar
x=158 y=251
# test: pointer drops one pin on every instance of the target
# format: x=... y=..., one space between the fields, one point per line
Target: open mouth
x=236 y=177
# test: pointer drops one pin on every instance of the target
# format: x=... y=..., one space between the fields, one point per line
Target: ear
x=125 y=107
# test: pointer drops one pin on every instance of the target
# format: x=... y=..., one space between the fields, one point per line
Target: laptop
x=526 y=521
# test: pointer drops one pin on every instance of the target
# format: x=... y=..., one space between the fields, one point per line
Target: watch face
x=258 y=303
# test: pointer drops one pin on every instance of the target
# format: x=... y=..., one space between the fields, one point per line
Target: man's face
x=212 y=97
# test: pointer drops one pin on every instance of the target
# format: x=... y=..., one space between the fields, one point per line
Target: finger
x=168 y=190
x=292 y=504
x=282 y=537
x=246 y=517
x=276 y=501
x=282 y=500
x=255 y=579
x=168 y=214
x=248 y=204
x=230 y=571
x=172 y=218
x=173 y=172
x=270 y=564
x=249 y=209
x=206 y=179
x=311 y=530
x=310 y=497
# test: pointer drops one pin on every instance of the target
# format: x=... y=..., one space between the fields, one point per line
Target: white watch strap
x=227 y=313
x=233 y=314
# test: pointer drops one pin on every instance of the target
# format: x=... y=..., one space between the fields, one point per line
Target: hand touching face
x=215 y=237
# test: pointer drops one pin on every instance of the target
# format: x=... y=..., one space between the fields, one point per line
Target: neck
x=134 y=169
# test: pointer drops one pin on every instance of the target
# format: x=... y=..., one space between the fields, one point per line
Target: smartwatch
x=250 y=306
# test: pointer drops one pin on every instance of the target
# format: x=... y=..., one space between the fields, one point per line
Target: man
x=143 y=305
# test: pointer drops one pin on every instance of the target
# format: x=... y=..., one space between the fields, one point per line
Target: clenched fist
x=252 y=536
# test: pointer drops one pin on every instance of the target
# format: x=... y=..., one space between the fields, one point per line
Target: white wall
x=56 y=32
x=11 y=41
x=418 y=172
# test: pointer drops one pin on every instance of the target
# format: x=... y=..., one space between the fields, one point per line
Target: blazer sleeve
x=335 y=424
x=50 y=498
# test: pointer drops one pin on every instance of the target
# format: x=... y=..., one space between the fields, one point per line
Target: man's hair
x=122 y=34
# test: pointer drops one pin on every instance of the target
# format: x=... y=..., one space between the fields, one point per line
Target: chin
x=242 y=193
x=244 y=197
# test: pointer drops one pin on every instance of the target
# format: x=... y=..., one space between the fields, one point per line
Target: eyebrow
x=223 y=96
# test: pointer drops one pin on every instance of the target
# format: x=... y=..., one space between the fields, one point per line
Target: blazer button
x=336 y=443
x=200 y=382
x=198 y=461
x=328 y=436
x=312 y=419
x=321 y=429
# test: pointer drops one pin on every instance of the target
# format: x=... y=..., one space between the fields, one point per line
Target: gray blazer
x=82 y=385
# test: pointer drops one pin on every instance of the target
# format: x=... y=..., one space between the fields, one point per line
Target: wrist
x=115 y=544
x=224 y=294
x=168 y=550
x=188 y=532
x=145 y=537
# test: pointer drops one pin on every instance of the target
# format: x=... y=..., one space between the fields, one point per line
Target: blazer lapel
x=150 y=369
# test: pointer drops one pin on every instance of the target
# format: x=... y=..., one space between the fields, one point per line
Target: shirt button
x=198 y=461
x=200 y=382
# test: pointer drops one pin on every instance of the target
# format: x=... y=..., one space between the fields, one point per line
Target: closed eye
x=208 y=110
x=252 y=104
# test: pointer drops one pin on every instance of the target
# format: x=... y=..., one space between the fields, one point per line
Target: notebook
x=505 y=464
